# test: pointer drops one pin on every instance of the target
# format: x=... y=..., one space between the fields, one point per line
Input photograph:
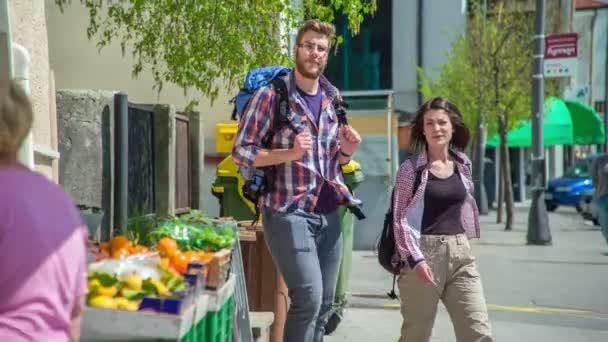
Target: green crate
x=201 y=330
x=218 y=324
x=191 y=336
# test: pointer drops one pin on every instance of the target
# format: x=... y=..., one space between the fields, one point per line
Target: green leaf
x=135 y=294
x=148 y=287
x=105 y=279
x=176 y=283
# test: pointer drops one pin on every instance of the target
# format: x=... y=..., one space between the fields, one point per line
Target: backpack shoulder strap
x=281 y=110
x=340 y=108
x=418 y=173
x=417 y=179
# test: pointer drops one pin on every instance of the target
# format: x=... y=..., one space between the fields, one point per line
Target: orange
x=118 y=242
x=192 y=256
x=164 y=262
x=104 y=246
x=167 y=246
x=138 y=249
x=205 y=257
x=120 y=253
x=179 y=262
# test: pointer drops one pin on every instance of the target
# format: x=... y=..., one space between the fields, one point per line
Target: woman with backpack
x=434 y=216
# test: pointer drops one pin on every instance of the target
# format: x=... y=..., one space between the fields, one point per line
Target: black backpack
x=386 y=247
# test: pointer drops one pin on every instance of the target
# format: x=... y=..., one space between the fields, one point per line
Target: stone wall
x=84 y=121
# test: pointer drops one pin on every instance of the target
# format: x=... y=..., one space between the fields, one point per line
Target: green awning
x=587 y=126
x=558 y=128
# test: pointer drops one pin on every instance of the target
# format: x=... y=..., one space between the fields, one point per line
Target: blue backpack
x=255 y=79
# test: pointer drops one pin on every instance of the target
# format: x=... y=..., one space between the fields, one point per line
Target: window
x=364 y=62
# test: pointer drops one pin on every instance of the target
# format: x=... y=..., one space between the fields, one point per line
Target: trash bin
x=489 y=180
x=228 y=188
x=353 y=176
x=92 y=216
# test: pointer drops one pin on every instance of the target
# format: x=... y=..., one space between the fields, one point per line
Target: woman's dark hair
x=461 y=136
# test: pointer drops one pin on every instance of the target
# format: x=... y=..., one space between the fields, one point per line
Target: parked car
x=568 y=189
x=588 y=207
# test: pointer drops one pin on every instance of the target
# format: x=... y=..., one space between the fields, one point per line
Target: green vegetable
x=105 y=279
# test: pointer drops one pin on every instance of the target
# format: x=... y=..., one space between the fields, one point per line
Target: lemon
x=93 y=283
x=103 y=302
x=134 y=282
x=131 y=306
x=160 y=287
x=107 y=291
x=123 y=291
x=121 y=302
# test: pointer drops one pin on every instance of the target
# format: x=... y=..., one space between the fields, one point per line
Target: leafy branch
x=208 y=45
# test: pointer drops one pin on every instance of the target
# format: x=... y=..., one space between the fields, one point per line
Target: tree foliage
x=489 y=69
x=489 y=73
x=208 y=44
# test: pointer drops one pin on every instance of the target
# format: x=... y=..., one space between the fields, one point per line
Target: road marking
x=536 y=310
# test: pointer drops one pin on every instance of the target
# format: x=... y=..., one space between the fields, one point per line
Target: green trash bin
x=353 y=176
x=228 y=188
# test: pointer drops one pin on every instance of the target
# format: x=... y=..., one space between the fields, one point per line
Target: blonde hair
x=316 y=25
x=16 y=117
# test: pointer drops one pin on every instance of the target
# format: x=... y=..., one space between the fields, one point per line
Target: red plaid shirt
x=297 y=184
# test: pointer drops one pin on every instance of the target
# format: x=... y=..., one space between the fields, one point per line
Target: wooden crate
x=219 y=269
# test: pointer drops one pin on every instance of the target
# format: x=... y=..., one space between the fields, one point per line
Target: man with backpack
x=299 y=144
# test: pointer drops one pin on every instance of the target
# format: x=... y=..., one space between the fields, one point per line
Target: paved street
x=556 y=293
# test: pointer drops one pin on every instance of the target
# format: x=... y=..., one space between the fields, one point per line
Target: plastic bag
x=143 y=265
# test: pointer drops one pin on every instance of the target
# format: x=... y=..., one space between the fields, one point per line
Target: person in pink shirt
x=42 y=241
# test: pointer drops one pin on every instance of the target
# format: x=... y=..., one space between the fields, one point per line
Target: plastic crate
x=118 y=325
x=218 y=324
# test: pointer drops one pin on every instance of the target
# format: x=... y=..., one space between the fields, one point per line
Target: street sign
x=561 y=52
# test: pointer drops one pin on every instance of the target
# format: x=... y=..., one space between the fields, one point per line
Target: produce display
x=119 y=247
x=160 y=267
x=112 y=292
x=196 y=232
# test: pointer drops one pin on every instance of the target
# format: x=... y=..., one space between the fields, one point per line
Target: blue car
x=568 y=189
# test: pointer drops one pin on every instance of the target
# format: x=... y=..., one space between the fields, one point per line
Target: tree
x=208 y=44
x=488 y=71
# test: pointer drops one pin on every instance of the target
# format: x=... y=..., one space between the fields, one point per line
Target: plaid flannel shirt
x=297 y=184
x=408 y=210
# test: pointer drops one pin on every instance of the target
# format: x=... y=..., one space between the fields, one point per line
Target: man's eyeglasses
x=322 y=50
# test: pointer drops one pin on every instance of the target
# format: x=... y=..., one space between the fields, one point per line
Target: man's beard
x=301 y=68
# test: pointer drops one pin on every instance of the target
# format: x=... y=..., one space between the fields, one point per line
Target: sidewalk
x=534 y=293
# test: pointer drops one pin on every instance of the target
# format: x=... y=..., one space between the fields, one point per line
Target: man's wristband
x=345 y=154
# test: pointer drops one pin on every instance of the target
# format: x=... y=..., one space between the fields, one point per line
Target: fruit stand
x=170 y=281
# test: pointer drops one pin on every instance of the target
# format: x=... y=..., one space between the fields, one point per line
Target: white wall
x=600 y=57
x=79 y=65
x=29 y=30
x=593 y=77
